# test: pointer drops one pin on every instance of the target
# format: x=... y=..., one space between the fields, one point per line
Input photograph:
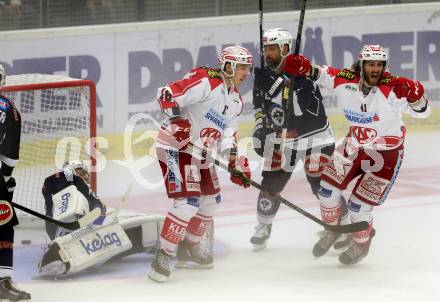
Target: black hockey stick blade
x=347 y=228
x=87 y=219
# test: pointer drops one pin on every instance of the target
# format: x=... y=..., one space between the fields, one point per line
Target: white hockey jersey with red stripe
x=375 y=119
x=212 y=109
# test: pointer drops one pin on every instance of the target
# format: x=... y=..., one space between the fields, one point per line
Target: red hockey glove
x=180 y=129
x=406 y=88
x=243 y=174
x=296 y=65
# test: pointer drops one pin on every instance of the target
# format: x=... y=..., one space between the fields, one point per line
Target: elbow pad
x=168 y=105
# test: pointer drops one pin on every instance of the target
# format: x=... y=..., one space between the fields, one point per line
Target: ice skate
x=342 y=241
x=193 y=256
x=261 y=235
x=160 y=267
x=356 y=251
x=325 y=242
x=9 y=293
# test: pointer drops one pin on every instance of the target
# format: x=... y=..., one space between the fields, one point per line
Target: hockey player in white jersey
x=202 y=108
x=67 y=197
x=372 y=101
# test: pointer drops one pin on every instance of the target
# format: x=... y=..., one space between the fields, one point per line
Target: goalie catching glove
x=240 y=171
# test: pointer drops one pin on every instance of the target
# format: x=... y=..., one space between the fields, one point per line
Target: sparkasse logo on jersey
x=361 y=118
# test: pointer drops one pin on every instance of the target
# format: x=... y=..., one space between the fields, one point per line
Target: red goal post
x=58 y=123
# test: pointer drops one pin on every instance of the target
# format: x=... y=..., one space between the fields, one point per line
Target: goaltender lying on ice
x=68 y=196
x=95 y=244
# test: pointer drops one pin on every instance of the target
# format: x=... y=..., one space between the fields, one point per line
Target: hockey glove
x=296 y=65
x=406 y=88
x=179 y=129
x=7 y=188
x=268 y=81
x=240 y=171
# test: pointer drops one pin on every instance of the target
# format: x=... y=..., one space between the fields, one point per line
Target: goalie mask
x=234 y=55
x=77 y=168
x=2 y=76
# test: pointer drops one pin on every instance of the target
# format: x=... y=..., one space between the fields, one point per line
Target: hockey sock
x=6 y=251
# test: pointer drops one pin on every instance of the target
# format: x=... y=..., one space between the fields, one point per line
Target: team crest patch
x=6 y=212
x=192 y=177
x=266 y=206
x=372 y=187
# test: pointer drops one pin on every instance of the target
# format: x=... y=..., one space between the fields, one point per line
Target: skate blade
x=259 y=247
x=157 y=277
x=191 y=265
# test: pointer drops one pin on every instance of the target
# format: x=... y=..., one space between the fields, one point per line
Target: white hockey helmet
x=234 y=55
x=278 y=36
x=78 y=168
x=2 y=76
x=372 y=53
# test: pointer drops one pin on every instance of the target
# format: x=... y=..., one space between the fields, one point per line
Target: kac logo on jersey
x=362 y=134
x=216 y=118
x=100 y=242
x=210 y=136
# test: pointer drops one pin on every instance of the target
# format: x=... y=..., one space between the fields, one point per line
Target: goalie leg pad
x=88 y=246
x=52 y=263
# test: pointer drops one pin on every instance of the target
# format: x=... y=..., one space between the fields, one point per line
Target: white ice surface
x=403 y=264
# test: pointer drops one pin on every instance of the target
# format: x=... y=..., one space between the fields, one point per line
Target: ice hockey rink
x=403 y=263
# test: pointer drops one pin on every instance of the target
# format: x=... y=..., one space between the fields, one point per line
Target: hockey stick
x=116 y=211
x=260 y=7
x=85 y=220
x=347 y=228
x=289 y=106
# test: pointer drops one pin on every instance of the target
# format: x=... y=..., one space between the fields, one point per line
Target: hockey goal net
x=58 y=120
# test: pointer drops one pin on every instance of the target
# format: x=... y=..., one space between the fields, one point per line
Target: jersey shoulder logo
x=4 y=104
x=212 y=73
x=346 y=74
x=386 y=79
